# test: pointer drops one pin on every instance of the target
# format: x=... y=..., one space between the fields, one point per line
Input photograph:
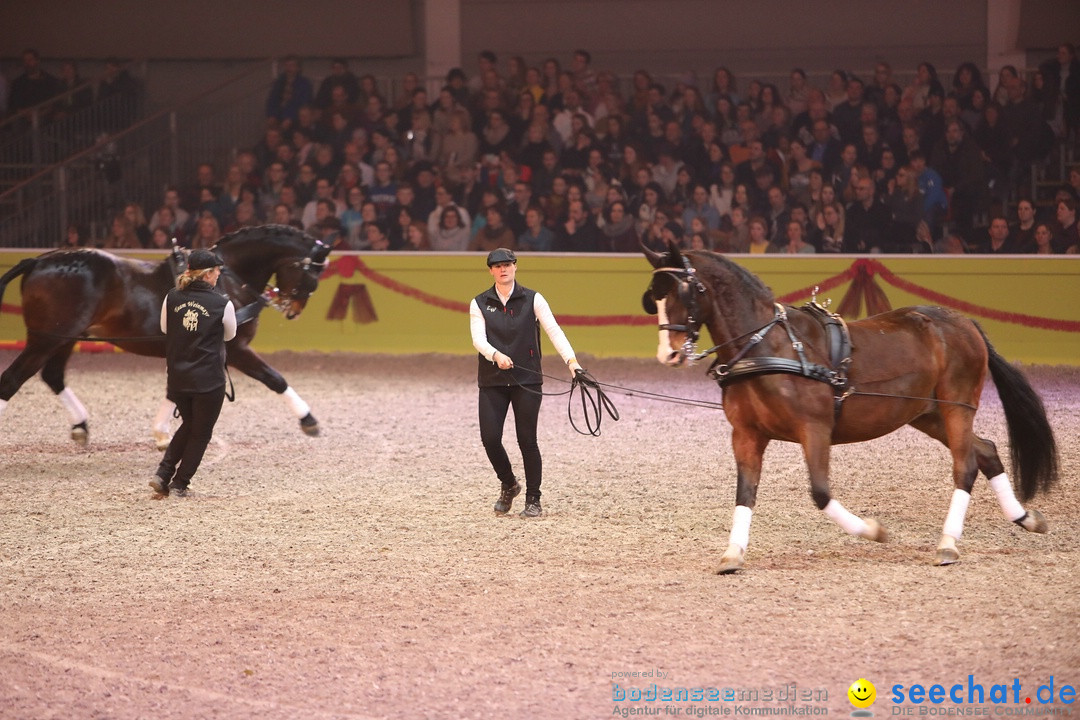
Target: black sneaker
x=532 y=509
x=159 y=486
x=506 y=498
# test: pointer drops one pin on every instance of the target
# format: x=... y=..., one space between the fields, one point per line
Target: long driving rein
x=689 y=286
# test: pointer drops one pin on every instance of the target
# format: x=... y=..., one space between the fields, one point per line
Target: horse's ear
x=320 y=252
x=674 y=256
x=655 y=259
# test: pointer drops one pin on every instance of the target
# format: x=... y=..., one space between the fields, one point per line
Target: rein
x=587 y=384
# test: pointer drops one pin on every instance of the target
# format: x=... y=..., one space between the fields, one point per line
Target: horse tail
x=22 y=267
x=1033 y=450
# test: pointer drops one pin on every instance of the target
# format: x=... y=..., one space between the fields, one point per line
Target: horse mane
x=730 y=280
x=280 y=234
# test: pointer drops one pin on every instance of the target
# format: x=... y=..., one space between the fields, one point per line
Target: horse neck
x=740 y=304
x=256 y=262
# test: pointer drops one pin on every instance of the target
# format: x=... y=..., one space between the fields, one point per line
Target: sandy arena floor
x=363 y=574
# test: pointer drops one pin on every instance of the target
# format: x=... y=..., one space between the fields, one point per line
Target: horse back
x=72 y=293
x=926 y=351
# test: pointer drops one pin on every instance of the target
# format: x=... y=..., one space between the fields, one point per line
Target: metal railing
x=134 y=165
x=67 y=123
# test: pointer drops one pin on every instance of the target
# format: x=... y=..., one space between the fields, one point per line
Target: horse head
x=298 y=278
x=293 y=259
x=676 y=297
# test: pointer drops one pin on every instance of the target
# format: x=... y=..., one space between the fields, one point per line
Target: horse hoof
x=309 y=425
x=162 y=440
x=731 y=561
x=876 y=531
x=80 y=433
x=1034 y=522
x=946 y=556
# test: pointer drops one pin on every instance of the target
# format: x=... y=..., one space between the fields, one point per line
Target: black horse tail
x=22 y=267
x=1033 y=449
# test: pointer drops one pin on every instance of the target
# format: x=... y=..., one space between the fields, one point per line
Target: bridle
x=688 y=287
x=312 y=265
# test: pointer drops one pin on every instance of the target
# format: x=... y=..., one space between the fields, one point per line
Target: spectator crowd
x=552 y=158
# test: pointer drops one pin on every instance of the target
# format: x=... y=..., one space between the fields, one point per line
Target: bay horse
x=70 y=295
x=803 y=375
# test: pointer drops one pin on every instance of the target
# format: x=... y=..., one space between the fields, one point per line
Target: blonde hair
x=189 y=276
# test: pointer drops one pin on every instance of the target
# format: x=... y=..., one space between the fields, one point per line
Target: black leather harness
x=837 y=337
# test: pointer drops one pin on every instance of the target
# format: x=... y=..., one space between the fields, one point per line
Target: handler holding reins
x=505 y=321
x=197 y=322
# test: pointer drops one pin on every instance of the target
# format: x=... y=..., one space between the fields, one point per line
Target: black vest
x=195 y=339
x=514 y=331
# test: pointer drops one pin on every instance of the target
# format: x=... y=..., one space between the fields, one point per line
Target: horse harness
x=740 y=366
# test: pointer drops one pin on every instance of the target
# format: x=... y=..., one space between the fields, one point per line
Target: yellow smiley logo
x=862 y=693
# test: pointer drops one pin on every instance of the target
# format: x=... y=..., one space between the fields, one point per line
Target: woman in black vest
x=505 y=322
x=197 y=321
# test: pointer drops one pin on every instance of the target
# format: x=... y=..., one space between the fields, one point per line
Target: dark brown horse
x=802 y=375
x=71 y=295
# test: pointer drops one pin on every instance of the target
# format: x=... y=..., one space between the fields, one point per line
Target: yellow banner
x=406 y=303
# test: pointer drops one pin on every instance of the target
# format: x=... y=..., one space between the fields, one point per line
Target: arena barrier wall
x=406 y=303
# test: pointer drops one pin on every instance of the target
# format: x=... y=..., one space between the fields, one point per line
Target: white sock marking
x=954 y=521
x=73 y=406
x=851 y=523
x=740 y=526
x=300 y=408
x=1006 y=498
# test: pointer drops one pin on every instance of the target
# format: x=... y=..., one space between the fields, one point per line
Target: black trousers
x=494 y=404
x=199 y=413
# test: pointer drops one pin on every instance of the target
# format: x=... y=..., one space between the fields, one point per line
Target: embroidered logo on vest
x=191 y=320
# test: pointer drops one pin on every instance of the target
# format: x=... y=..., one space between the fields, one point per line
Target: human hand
x=574 y=366
x=503 y=361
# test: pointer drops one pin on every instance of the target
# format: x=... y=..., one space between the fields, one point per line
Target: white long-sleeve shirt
x=544 y=316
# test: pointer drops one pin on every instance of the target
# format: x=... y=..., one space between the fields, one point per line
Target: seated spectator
x=795 y=243
x=207 y=233
x=997 y=240
x=906 y=206
x=495 y=233
x=827 y=232
x=135 y=214
x=618 y=233
x=1023 y=232
x=536 y=236
x=578 y=233
x=452 y=233
x=1067 y=233
x=759 y=235
x=416 y=237
x=867 y=221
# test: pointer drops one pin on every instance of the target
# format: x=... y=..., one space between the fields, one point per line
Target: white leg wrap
x=851 y=523
x=740 y=526
x=163 y=419
x=663 y=350
x=296 y=403
x=954 y=521
x=1006 y=498
x=74 y=407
